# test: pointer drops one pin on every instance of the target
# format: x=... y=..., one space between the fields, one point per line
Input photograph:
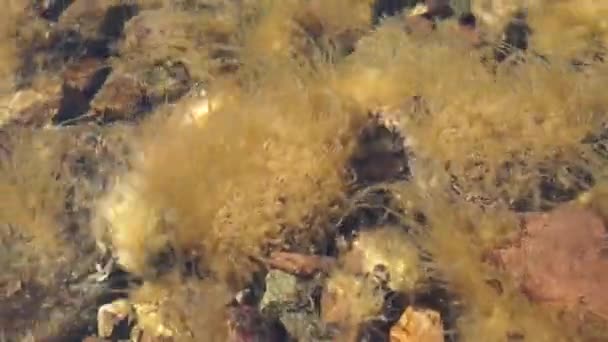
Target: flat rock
x=558 y=258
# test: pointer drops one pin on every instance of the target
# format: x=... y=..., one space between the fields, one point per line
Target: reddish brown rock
x=300 y=264
x=121 y=97
x=418 y=325
x=558 y=258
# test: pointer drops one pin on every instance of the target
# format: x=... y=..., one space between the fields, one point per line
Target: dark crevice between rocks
x=375 y=330
x=52 y=9
x=76 y=101
x=254 y=291
x=388 y=8
x=438 y=297
x=523 y=204
x=116 y=286
x=554 y=187
x=73 y=103
x=380 y=156
x=91 y=295
x=468 y=20
x=515 y=37
x=76 y=330
x=115 y=19
x=439 y=13
x=554 y=192
x=249 y=324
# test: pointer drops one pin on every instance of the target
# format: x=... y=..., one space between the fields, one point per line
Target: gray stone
x=281 y=288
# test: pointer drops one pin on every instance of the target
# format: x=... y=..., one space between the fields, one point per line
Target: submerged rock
x=33 y=106
x=281 y=287
x=292 y=302
x=418 y=325
x=122 y=97
x=558 y=258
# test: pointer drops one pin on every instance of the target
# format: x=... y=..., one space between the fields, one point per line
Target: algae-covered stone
x=281 y=288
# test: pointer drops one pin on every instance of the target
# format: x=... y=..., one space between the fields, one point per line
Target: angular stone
x=418 y=325
x=281 y=287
